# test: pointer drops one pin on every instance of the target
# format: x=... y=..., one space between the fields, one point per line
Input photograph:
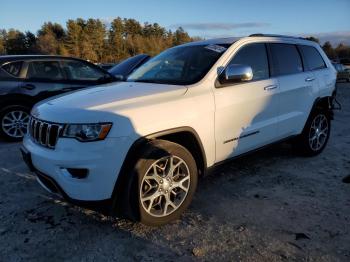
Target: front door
x=246 y=113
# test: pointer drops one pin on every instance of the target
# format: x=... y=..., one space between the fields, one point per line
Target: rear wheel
x=14 y=121
x=164 y=181
x=315 y=135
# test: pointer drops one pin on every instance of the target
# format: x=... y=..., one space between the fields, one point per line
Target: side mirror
x=235 y=74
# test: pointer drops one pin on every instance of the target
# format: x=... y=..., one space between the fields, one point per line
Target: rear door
x=11 y=77
x=314 y=63
x=246 y=113
x=81 y=74
x=43 y=78
x=297 y=88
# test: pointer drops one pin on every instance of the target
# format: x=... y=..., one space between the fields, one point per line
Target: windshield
x=182 y=65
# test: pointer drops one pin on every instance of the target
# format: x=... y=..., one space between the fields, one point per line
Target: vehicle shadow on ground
x=64 y=225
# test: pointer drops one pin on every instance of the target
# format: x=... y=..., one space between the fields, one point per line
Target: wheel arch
x=324 y=104
x=185 y=136
x=16 y=99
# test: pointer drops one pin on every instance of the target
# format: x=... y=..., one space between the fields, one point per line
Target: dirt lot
x=270 y=206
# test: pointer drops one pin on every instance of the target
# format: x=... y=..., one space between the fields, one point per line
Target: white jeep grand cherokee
x=138 y=147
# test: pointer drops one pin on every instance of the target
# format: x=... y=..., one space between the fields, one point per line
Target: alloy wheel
x=318 y=132
x=165 y=186
x=15 y=123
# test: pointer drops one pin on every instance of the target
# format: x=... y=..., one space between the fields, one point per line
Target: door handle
x=309 y=79
x=270 y=87
x=28 y=86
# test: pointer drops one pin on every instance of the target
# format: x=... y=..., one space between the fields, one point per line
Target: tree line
x=333 y=53
x=93 y=40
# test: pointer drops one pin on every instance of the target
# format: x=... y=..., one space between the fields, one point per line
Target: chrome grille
x=44 y=133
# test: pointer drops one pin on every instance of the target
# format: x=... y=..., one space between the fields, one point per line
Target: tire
x=151 y=195
x=315 y=135
x=13 y=122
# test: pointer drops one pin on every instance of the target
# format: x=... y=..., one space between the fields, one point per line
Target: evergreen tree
x=343 y=51
x=180 y=37
x=115 y=45
x=3 y=36
x=51 y=39
x=95 y=34
x=30 y=43
x=72 y=42
x=328 y=49
x=15 y=42
x=311 y=38
x=92 y=40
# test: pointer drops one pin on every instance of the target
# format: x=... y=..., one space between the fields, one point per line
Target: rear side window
x=47 y=70
x=255 y=56
x=13 y=68
x=286 y=59
x=313 y=59
x=79 y=71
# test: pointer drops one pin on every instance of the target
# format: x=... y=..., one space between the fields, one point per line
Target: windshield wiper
x=158 y=81
x=149 y=81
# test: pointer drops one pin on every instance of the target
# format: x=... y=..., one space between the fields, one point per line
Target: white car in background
x=139 y=146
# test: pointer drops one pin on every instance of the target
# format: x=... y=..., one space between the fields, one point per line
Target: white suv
x=138 y=147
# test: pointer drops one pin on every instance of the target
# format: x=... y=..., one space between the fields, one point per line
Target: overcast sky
x=326 y=19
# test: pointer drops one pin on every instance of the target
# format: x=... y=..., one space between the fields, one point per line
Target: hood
x=97 y=104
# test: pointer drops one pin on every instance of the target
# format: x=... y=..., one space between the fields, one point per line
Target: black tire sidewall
x=155 y=150
x=5 y=111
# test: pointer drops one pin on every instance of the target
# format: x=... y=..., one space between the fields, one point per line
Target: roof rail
x=273 y=35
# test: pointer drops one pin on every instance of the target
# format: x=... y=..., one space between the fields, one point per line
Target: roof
x=215 y=41
x=32 y=57
x=231 y=40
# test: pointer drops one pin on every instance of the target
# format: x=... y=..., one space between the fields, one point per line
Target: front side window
x=312 y=57
x=255 y=56
x=183 y=65
x=76 y=70
x=285 y=59
x=47 y=70
x=13 y=68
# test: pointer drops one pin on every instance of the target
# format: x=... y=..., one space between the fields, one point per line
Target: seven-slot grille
x=44 y=133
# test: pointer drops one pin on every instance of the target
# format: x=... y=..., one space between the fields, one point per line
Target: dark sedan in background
x=126 y=67
x=26 y=80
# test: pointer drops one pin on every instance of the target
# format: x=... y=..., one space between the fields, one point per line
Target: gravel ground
x=269 y=206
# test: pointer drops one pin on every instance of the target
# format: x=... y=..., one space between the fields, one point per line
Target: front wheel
x=315 y=135
x=165 y=179
x=14 y=121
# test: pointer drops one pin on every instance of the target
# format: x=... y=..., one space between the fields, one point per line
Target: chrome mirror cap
x=236 y=73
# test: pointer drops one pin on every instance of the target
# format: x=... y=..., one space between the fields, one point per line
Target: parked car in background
x=345 y=62
x=106 y=66
x=138 y=147
x=343 y=73
x=126 y=67
x=26 y=80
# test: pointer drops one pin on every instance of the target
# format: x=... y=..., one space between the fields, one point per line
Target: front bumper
x=103 y=159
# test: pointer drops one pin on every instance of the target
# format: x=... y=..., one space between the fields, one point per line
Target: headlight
x=87 y=132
